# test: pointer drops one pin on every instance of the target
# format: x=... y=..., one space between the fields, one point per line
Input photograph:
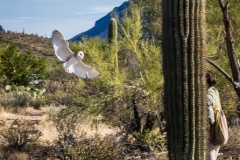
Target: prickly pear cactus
x=183 y=49
x=34 y=92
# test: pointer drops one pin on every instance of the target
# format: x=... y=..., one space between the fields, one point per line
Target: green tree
x=139 y=83
x=151 y=18
x=21 y=68
x=218 y=51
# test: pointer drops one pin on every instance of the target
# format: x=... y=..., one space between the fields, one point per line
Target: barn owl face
x=80 y=54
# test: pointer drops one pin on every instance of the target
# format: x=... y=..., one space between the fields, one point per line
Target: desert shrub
x=20 y=96
x=20 y=69
x=58 y=98
x=153 y=139
x=14 y=99
x=97 y=147
x=232 y=148
x=19 y=134
x=11 y=154
x=71 y=144
x=150 y=144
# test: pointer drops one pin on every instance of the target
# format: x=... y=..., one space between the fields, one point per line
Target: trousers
x=212 y=151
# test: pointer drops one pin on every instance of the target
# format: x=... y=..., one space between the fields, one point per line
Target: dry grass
x=6 y=154
x=232 y=148
x=41 y=118
x=91 y=127
x=85 y=130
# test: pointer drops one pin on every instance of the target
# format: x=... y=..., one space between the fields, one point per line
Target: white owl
x=72 y=61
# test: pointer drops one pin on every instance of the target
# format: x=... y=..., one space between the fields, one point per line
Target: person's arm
x=210 y=104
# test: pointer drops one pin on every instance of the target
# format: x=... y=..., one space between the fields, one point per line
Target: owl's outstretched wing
x=82 y=70
x=61 y=46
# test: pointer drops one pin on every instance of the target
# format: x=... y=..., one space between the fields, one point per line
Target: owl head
x=80 y=55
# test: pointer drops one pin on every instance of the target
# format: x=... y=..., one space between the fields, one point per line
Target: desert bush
x=74 y=145
x=11 y=154
x=20 y=69
x=232 y=148
x=58 y=98
x=21 y=96
x=14 y=99
x=97 y=147
x=19 y=134
x=154 y=139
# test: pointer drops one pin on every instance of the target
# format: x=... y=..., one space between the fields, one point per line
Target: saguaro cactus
x=183 y=49
x=112 y=38
x=112 y=31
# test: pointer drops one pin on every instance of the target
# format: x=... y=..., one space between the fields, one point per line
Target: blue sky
x=70 y=17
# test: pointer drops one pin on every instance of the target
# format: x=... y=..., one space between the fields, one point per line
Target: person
x=211 y=80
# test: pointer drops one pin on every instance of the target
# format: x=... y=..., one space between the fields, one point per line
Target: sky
x=41 y=17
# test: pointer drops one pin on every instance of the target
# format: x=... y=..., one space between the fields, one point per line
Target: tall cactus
x=112 y=31
x=112 y=38
x=183 y=49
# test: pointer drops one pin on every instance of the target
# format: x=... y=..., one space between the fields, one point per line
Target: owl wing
x=61 y=47
x=82 y=70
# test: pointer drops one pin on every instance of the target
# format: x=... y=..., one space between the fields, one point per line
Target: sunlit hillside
x=28 y=42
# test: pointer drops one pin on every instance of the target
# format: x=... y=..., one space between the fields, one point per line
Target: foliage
x=40 y=46
x=66 y=121
x=81 y=147
x=12 y=154
x=130 y=100
x=20 y=133
x=154 y=139
x=151 y=18
x=14 y=99
x=102 y=148
x=20 y=96
x=3 y=47
x=217 y=51
x=129 y=97
x=21 y=69
x=130 y=28
x=35 y=93
x=232 y=148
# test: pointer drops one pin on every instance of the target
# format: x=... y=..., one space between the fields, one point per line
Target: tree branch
x=221 y=70
x=229 y=43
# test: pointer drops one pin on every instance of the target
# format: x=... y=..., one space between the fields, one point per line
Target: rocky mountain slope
x=101 y=26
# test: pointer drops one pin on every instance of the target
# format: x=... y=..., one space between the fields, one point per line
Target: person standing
x=211 y=80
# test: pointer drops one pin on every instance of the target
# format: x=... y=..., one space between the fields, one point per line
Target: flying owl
x=72 y=61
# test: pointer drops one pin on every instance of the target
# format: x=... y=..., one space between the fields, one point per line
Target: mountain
x=2 y=30
x=40 y=46
x=100 y=28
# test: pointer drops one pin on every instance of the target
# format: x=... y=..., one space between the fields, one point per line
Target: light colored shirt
x=211 y=103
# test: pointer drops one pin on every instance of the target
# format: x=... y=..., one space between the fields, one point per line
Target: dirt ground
x=40 y=118
x=35 y=117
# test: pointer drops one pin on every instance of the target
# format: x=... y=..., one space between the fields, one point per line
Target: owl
x=72 y=62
